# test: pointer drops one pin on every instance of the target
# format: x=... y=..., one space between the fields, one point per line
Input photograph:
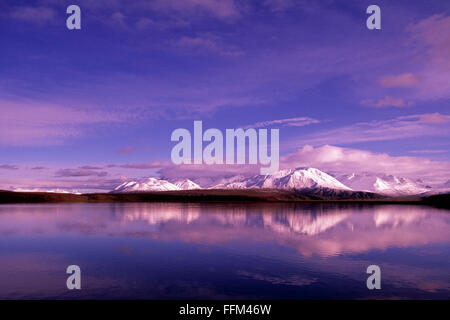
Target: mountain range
x=298 y=179
x=384 y=184
x=155 y=184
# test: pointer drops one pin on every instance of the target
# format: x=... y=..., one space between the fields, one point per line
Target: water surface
x=219 y=251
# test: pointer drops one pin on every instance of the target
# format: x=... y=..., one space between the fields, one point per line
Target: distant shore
x=207 y=195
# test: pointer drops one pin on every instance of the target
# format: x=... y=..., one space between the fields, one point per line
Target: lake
x=224 y=251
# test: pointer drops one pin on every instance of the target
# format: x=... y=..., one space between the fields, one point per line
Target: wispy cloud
x=383 y=130
x=423 y=74
x=72 y=184
x=400 y=80
x=126 y=150
x=429 y=151
x=31 y=123
x=217 y=8
x=87 y=167
x=387 y=101
x=433 y=118
x=434 y=71
x=37 y=15
x=207 y=43
x=305 y=5
x=144 y=165
x=8 y=167
x=80 y=173
x=38 y=168
x=432 y=32
x=288 y=122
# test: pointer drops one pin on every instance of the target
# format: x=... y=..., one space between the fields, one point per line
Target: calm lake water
x=218 y=251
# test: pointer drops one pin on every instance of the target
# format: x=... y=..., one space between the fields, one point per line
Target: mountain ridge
x=225 y=196
x=297 y=179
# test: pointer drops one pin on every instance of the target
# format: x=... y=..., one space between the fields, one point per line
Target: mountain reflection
x=310 y=229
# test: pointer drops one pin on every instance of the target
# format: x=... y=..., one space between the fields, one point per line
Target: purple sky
x=86 y=109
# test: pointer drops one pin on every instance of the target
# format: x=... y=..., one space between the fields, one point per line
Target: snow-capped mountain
x=383 y=184
x=57 y=190
x=155 y=184
x=288 y=179
x=186 y=184
x=309 y=179
x=147 y=184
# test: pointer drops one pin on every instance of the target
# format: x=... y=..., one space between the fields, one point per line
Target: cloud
x=433 y=63
x=37 y=15
x=387 y=101
x=289 y=122
x=144 y=23
x=429 y=151
x=8 y=167
x=208 y=43
x=31 y=123
x=431 y=31
x=308 y=6
x=345 y=160
x=126 y=150
x=96 y=177
x=80 y=173
x=207 y=175
x=203 y=104
x=434 y=118
x=217 y=8
x=91 y=168
x=146 y=165
x=72 y=184
x=400 y=80
x=131 y=17
x=382 y=130
x=331 y=159
x=117 y=19
x=423 y=68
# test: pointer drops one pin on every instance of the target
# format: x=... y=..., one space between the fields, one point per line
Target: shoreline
x=221 y=196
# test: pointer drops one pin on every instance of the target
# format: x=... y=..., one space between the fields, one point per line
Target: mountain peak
x=288 y=179
x=146 y=184
x=383 y=184
x=300 y=178
x=186 y=184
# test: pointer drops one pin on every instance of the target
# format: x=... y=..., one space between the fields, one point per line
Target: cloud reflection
x=324 y=230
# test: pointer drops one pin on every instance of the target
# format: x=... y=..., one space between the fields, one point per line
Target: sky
x=87 y=109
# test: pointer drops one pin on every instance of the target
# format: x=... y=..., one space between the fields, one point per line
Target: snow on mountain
x=45 y=190
x=147 y=184
x=295 y=179
x=383 y=184
x=155 y=184
x=186 y=184
x=288 y=179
